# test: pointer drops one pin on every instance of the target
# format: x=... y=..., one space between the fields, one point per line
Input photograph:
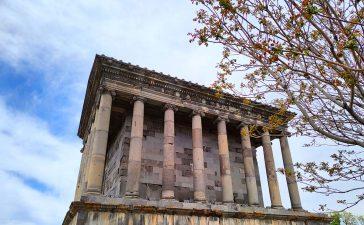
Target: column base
x=228 y=202
x=199 y=196
x=200 y=200
x=131 y=195
x=255 y=205
x=298 y=209
x=93 y=191
x=277 y=207
x=167 y=194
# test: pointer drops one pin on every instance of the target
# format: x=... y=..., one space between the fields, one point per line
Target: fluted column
x=290 y=174
x=99 y=144
x=250 y=178
x=275 y=196
x=198 y=159
x=225 y=172
x=135 y=150
x=168 y=153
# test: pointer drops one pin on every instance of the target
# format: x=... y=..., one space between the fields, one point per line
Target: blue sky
x=47 y=49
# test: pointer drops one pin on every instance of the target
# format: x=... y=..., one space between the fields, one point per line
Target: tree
x=302 y=55
x=346 y=218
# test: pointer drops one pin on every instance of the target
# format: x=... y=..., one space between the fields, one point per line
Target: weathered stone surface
x=152 y=160
x=250 y=176
x=290 y=174
x=99 y=145
x=225 y=170
x=93 y=210
x=132 y=152
x=275 y=196
x=199 y=184
x=168 y=177
x=135 y=152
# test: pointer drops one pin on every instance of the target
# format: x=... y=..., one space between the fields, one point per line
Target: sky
x=46 y=52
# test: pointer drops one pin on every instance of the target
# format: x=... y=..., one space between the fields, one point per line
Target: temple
x=162 y=150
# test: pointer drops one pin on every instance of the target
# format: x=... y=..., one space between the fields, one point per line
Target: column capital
x=170 y=106
x=198 y=112
x=266 y=132
x=222 y=118
x=138 y=98
x=285 y=132
x=103 y=89
x=243 y=124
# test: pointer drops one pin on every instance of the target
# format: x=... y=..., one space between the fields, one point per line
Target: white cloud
x=60 y=39
x=30 y=150
x=149 y=33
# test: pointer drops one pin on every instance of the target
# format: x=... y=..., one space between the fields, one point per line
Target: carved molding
x=143 y=78
x=170 y=106
x=139 y=98
x=222 y=118
x=198 y=112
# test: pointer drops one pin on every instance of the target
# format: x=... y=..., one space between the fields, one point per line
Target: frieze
x=185 y=94
x=106 y=67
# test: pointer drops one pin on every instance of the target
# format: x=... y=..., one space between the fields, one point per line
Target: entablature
x=127 y=79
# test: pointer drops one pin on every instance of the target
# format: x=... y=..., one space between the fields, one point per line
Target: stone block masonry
x=152 y=162
x=116 y=211
x=161 y=150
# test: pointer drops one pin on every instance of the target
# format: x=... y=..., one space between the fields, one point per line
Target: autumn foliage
x=302 y=55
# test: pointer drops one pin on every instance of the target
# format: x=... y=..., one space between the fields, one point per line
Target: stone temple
x=162 y=150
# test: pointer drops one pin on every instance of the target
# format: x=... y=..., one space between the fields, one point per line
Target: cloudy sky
x=46 y=53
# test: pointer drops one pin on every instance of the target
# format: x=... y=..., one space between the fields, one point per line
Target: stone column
x=135 y=150
x=90 y=139
x=225 y=172
x=250 y=178
x=290 y=174
x=275 y=196
x=198 y=160
x=168 y=153
x=80 y=179
x=99 y=144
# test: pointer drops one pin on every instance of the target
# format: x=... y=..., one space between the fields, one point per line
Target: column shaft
x=80 y=180
x=97 y=161
x=290 y=174
x=198 y=160
x=225 y=172
x=270 y=168
x=82 y=176
x=135 y=151
x=90 y=140
x=168 y=155
x=250 y=178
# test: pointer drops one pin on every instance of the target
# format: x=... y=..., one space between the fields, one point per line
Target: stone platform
x=97 y=210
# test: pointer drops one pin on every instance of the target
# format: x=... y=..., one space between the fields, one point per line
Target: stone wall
x=116 y=161
x=152 y=161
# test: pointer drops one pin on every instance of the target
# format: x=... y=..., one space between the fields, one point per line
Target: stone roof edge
x=95 y=78
x=89 y=96
x=171 y=78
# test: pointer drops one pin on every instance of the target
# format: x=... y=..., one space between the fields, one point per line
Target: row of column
x=99 y=145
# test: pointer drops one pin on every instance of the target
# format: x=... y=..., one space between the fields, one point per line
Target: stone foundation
x=99 y=210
